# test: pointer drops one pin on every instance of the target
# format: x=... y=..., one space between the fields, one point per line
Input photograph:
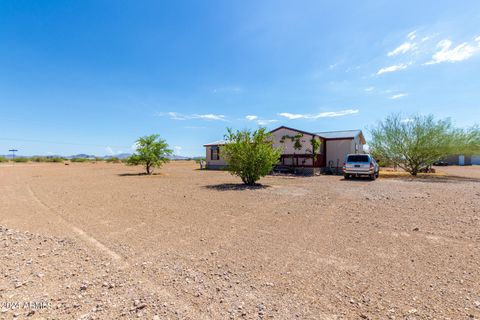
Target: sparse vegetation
x=152 y=151
x=113 y=160
x=79 y=160
x=415 y=144
x=250 y=155
x=3 y=159
x=47 y=159
x=20 y=159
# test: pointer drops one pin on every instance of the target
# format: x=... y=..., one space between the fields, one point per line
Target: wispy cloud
x=261 y=122
x=264 y=122
x=405 y=47
x=194 y=127
x=398 y=96
x=180 y=116
x=412 y=35
x=110 y=151
x=392 y=68
x=228 y=89
x=402 y=49
x=447 y=53
x=329 y=114
x=209 y=116
x=369 y=89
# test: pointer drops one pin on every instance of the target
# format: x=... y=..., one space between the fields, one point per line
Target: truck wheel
x=373 y=176
x=346 y=176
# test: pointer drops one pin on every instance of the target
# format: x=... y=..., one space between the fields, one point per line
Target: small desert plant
x=3 y=159
x=79 y=160
x=250 y=155
x=152 y=151
x=20 y=159
x=113 y=160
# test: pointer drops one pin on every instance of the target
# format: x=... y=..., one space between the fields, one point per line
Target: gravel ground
x=98 y=241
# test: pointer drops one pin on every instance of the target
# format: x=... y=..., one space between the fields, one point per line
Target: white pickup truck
x=360 y=165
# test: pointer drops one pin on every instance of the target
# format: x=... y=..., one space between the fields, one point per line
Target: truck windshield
x=358 y=158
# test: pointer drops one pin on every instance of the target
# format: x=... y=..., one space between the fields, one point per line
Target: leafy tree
x=152 y=151
x=315 y=148
x=250 y=155
x=418 y=142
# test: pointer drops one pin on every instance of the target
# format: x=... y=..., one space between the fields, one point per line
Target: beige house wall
x=288 y=144
x=214 y=164
x=337 y=150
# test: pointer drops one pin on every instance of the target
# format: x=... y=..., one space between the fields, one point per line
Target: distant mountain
x=82 y=155
x=91 y=156
x=119 y=156
x=176 y=157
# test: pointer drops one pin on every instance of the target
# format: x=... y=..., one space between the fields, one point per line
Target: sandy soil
x=97 y=241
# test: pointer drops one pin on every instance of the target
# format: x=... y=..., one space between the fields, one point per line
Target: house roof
x=293 y=129
x=344 y=134
x=216 y=143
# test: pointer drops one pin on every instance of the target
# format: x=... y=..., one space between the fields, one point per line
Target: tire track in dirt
x=79 y=232
x=148 y=283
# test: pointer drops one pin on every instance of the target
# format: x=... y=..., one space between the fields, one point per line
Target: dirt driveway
x=98 y=241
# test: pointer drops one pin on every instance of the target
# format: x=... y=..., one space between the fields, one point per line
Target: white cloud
x=412 y=35
x=110 y=151
x=407 y=120
x=392 y=68
x=228 y=89
x=179 y=116
x=447 y=53
x=329 y=114
x=369 y=89
x=209 y=116
x=402 y=49
x=264 y=122
x=261 y=122
x=398 y=96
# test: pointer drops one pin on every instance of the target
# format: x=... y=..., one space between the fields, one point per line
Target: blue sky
x=92 y=76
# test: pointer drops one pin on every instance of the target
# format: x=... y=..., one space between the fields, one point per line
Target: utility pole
x=13 y=152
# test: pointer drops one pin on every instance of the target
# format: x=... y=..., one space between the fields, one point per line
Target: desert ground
x=99 y=241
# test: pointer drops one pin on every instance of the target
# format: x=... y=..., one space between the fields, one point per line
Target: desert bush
x=20 y=159
x=250 y=155
x=415 y=144
x=113 y=160
x=79 y=160
x=3 y=159
x=152 y=151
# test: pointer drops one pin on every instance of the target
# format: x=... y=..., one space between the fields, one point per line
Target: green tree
x=152 y=151
x=250 y=155
x=416 y=143
x=315 y=148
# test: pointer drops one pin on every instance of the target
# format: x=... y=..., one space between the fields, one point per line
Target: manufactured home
x=296 y=148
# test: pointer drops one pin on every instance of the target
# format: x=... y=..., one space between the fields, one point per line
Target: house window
x=215 y=153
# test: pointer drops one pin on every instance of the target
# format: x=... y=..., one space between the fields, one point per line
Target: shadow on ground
x=439 y=179
x=137 y=174
x=235 y=187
